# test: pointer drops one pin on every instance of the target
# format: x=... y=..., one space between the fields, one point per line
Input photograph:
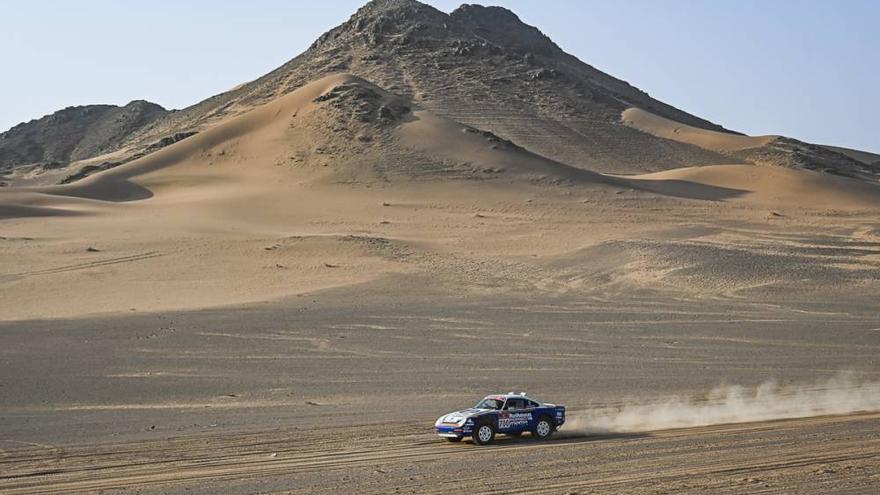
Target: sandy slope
x=261 y=206
x=245 y=148
x=669 y=129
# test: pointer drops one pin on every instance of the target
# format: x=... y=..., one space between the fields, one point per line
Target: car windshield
x=488 y=403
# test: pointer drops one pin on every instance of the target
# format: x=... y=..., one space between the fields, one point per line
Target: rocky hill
x=481 y=66
x=72 y=134
x=484 y=67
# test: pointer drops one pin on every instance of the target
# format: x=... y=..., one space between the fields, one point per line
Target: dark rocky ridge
x=791 y=153
x=74 y=133
x=481 y=66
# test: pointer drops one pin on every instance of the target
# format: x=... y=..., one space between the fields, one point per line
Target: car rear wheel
x=484 y=433
x=543 y=428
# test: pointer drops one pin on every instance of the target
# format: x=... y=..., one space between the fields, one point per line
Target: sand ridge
x=669 y=129
x=772 y=186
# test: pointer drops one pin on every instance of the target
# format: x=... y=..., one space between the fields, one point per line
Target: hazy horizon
x=792 y=68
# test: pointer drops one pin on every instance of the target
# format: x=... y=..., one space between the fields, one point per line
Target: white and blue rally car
x=509 y=414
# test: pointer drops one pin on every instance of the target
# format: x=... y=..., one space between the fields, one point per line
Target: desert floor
x=338 y=390
x=830 y=454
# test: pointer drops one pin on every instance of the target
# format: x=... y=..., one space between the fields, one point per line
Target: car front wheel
x=484 y=434
x=543 y=429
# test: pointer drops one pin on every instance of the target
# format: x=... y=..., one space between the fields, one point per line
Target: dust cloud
x=843 y=393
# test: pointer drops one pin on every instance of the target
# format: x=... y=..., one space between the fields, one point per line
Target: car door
x=504 y=417
x=513 y=416
x=530 y=408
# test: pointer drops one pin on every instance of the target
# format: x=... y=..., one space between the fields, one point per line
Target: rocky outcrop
x=74 y=133
x=791 y=153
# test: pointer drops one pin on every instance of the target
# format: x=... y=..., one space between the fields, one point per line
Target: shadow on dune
x=685 y=189
x=104 y=189
x=29 y=202
x=26 y=211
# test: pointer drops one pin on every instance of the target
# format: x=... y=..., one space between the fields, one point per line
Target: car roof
x=509 y=395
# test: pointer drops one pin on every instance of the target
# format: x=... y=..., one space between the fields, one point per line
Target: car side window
x=533 y=404
x=515 y=404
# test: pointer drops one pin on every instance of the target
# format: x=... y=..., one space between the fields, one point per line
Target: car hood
x=455 y=417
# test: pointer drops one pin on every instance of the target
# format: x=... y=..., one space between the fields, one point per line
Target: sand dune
x=307 y=192
x=250 y=146
x=340 y=183
x=770 y=185
x=279 y=140
x=264 y=127
x=711 y=140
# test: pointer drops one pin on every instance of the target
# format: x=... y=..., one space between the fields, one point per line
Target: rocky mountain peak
x=381 y=20
x=502 y=27
x=144 y=105
x=375 y=6
x=408 y=22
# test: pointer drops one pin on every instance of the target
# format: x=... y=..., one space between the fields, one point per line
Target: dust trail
x=735 y=404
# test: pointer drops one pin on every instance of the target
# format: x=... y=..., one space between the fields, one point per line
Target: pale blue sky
x=808 y=69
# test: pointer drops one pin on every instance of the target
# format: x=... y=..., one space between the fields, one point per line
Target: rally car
x=510 y=414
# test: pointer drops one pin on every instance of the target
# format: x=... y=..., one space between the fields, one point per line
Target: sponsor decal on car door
x=513 y=421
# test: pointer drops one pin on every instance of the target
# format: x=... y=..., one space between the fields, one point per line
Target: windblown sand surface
x=669 y=129
x=772 y=186
x=341 y=256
